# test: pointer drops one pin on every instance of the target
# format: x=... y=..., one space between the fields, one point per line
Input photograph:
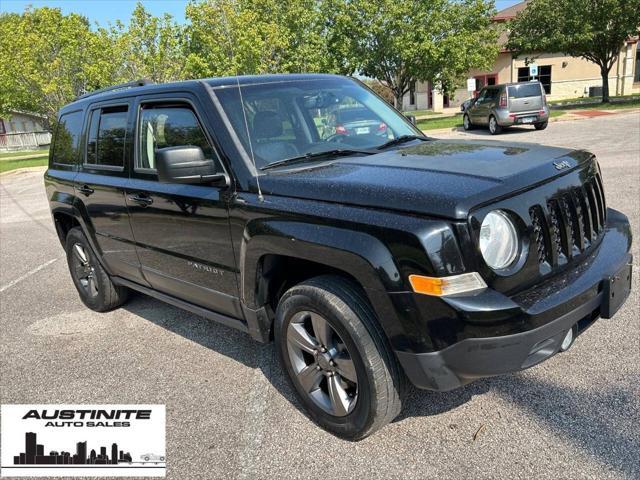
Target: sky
x=108 y=11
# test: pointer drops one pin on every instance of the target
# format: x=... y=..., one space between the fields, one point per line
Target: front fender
x=358 y=254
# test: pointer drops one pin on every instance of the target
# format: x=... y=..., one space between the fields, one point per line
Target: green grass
x=7 y=165
x=635 y=103
x=591 y=101
x=444 y=122
x=22 y=153
x=556 y=113
x=421 y=113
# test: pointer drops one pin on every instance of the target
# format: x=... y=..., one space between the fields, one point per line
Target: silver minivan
x=499 y=106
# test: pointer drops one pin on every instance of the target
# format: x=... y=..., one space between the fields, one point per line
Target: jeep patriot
x=370 y=254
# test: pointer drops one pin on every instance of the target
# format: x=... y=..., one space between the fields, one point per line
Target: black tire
x=540 y=125
x=494 y=128
x=380 y=381
x=466 y=122
x=96 y=289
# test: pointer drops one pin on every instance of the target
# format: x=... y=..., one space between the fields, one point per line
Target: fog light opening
x=568 y=339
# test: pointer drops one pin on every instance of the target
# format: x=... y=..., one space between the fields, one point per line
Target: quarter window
x=65 y=145
x=107 y=135
x=163 y=126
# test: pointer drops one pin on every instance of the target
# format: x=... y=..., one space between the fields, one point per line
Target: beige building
x=561 y=76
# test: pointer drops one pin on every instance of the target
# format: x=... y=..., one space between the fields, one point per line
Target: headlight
x=498 y=240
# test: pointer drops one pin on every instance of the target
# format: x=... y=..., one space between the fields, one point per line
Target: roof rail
x=121 y=86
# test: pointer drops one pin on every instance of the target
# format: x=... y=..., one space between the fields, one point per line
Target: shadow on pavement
x=570 y=414
x=583 y=419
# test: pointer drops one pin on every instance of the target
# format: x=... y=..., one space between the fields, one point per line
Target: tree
x=150 y=47
x=400 y=43
x=47 y=59
x=591 y=29
x=227 y=37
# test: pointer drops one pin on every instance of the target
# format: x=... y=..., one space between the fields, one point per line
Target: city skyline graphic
x=34 y=454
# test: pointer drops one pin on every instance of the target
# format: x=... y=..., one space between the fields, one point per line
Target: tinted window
x=525 y=90
x=355 y=115
x=493 y=93
x=168 y=126
x=107 y=134
x=65 y=146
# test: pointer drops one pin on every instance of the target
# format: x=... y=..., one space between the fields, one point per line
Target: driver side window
x=162 y=126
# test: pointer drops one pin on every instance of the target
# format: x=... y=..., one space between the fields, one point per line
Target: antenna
x=244 y=112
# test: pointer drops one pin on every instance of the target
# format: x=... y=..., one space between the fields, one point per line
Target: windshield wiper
x=316 y=155
x=402 y=139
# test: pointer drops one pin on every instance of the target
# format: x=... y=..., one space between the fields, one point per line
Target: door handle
x=86 y=190
x=142 y=200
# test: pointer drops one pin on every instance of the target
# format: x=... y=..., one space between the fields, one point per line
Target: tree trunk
x=398 y=97
x=605 y=84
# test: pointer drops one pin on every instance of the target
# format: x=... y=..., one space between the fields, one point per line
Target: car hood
x=439 y=178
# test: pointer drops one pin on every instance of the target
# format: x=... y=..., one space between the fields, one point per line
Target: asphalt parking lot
x=230 y=411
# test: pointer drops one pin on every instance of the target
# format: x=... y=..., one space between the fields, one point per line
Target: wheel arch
x=276 y=254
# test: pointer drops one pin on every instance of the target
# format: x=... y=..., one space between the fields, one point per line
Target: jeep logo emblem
x=561 y=165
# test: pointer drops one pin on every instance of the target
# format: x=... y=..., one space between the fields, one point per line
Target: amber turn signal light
x=441 y=286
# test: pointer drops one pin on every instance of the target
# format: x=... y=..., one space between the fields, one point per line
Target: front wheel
x=494 y=128
x=93 y=283
x=466 y=122
x=540 y=125
x=337 y=357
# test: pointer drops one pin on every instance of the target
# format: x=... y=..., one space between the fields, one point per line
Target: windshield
x=303 y=117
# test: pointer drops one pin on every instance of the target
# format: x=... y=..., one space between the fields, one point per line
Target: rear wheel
x=541 y=125
x=337 y=357
x=494 y=128
x=96 y=289
x=466 y=122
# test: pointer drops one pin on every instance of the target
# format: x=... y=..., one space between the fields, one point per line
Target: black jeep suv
x=371 y=257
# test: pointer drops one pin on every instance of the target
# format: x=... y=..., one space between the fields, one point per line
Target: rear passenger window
x=107 y=135
x=67 y=141
x=163 y=126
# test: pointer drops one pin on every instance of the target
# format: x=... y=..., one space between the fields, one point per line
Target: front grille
x=569 y=223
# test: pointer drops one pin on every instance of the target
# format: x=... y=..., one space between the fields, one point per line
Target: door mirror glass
x=184 y=164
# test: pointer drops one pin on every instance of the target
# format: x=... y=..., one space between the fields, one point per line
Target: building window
x=412 y=93
x=544 y=76
x=2 y=127
x=636 y=77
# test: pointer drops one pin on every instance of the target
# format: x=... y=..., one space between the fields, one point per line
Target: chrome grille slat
x=540 y=234
x=556 y=232
x=587 y=218
x=593 y=207
x=569 y=223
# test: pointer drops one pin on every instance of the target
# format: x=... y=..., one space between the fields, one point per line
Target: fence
x=24 y=141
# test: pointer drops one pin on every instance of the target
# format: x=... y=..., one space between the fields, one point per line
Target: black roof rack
x=121 y=86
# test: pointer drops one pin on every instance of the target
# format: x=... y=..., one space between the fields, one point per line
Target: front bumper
x=530 y=326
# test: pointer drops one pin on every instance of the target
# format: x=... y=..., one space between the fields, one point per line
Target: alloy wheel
x=322 y=364
x=492 y=125
x=85 y=272
x=466 y=122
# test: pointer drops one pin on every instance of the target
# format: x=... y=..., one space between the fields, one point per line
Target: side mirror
x=412 y=119
x=186 y=164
